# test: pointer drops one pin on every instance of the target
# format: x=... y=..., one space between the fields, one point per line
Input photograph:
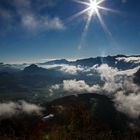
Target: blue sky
x=35 y=30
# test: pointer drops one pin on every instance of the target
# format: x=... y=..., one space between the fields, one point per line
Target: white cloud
x=29 y=22
x=118 y=84
x=54 y=88
x=34 y=23
x=129 y=104
x=126 y=92
x=107 y=73
x=54 y=23
x=70 y=69
x=9 y=109
x=30 y=108
x=114 y=79
x=129 y=72
x=30 y=18
x=129 y=59
x=76 y=86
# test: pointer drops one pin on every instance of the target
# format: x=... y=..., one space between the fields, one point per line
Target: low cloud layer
x=129 y=104
x=68 y=69
x=102 y=79
x=14 y=108
x=117 y=83
x=129 y=59
x=79 y=86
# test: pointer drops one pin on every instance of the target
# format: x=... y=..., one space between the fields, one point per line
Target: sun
x=93 y=5
x=93 y=8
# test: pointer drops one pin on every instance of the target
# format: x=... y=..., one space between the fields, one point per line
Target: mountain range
x=92 y=98
x=119 y=61
x=39 y=77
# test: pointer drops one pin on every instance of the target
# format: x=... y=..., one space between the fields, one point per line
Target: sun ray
x=103 y=24
x=108 y=9
x=79 y=14
x=100 y=1
x=82 y=2
x=84 y=33
x=93 y=8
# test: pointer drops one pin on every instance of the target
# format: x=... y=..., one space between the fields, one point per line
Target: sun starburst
x=93 y=8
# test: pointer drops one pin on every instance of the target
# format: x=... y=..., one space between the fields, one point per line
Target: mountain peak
x=33 y=68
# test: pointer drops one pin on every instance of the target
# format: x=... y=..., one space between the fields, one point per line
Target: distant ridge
x=120 y=61
x=61 y=61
